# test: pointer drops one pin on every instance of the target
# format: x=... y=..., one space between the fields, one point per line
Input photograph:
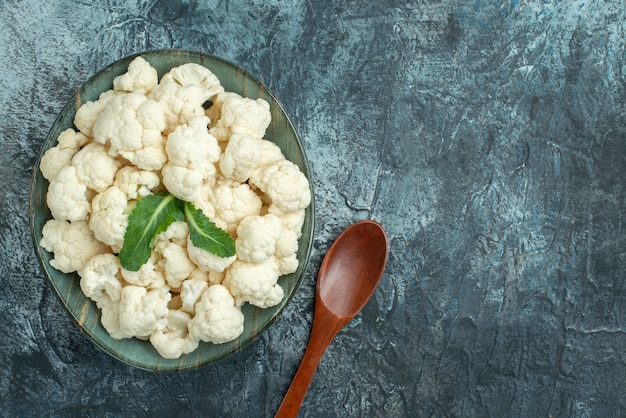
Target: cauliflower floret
x=271 y=153
x=108 y=218
x=67 y=198
x=141 y=77
x=255 y=283
x=95 y=168
x=73 y=244
x=88 y=112
x=242 y=155
x=191 y=152
x=293 y=220
x=287 y=246
x=174 y=341
x=131 y=124
x=177 y=233
x=176 y=264
x=211 y=277
x=284 y=184
x=286 y=252
x=192 y=146
x=232 y=202
x=180 y=103
x=190 y=292
x=143 y=311
x=182 y=182
x=192 y=74
x=172 y=245
x=207 y=261
x=233 y=114
x=149 y=275
x=59 y=156
x=217 y=320
x=136 y=183
x=99 y=282
x=257 y=237
x=99 y=277
x=203 y=202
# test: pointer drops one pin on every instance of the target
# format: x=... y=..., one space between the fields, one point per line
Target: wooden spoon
x=346 y=280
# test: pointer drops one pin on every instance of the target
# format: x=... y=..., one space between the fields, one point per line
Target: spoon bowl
x=352 y=268
x=348 y=276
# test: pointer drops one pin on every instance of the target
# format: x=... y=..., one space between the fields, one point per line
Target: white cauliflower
x=67 y=198
x=284 y=184
x=233 y=201
x=149 y=275
x=141 y=77
x=136 y=183
x=271 y=153
x=192 y=74
x=73 y=244
x=286 y=252
x=180 y=103
x=182 y=182
x=173 y=341
x=191 y=152
x=88 y=112
x=293 y=220
x=54 y=159
x=108 y=218
x=211 y=277
x=143 y=311
x=255 y=283
x=257 y=237
x=207 y=261
x=99 y=281
x=143 y=136
x=189 y=135
x=131 y=125
x=242 y=155
x=190 y=292
x=203 y=202
x=218 y=320
x=175 y=262
x=176 y=233
x=233 y=114
x=95 y=168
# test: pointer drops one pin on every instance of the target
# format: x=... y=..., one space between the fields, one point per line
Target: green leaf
x=206 y=235
x=152 y=215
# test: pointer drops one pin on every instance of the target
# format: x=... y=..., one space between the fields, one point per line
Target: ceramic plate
x=66 y=286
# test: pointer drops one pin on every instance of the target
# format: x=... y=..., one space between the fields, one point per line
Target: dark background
x=488 y=137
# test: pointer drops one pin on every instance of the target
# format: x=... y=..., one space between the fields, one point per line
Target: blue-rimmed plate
x=66 y=286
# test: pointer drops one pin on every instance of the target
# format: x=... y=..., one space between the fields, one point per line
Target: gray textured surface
x=489 y=138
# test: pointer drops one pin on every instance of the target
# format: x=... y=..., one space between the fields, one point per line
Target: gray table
x=489 y=138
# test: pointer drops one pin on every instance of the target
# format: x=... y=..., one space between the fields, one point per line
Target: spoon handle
x=300 y=384
x=322 y=335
